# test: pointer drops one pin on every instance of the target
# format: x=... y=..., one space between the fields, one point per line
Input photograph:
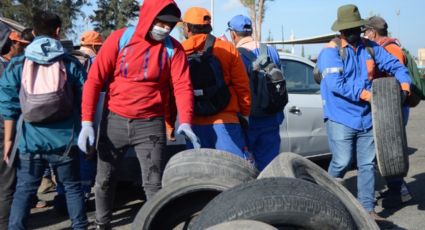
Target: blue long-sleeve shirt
x=345 y=80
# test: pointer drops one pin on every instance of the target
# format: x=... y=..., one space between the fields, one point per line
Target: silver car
x=303 y=130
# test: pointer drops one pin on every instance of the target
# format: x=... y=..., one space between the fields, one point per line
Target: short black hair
x=243 y=34
x=6 y=47
x=46 y=23
x=27 y=34
x=383 y=32
x=199 y=29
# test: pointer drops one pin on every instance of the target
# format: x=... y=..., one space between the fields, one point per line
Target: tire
x=242 y=225
x=281 y=202
x=293 y=165
x=176 y=204
x=388 y=129
x=205 y=164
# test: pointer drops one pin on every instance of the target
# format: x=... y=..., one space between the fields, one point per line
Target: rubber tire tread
x=288 y=164
x=277 y=201
x=206 y=164
x=388 y=128
x=176 y=204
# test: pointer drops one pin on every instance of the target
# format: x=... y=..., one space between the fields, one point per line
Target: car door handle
x=294 y=110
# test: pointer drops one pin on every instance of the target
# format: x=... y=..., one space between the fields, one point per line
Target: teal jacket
x=42 y=138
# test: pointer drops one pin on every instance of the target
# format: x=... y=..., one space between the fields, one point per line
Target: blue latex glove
x=186 y=130
x=86 y=134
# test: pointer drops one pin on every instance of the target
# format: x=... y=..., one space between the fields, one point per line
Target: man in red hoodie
x=139 y=77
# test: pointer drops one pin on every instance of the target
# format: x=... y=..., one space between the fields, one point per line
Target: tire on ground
x=281 y=202
x=289 y=164
x=176 y=204
x=242 y=225
x=388 y=128
x=205 y=164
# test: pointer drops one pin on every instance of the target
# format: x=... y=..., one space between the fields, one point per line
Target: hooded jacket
x=47 y=137
x=235 y=77
x=139 y=75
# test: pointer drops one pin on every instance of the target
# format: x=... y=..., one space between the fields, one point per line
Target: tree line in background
x=108 y=16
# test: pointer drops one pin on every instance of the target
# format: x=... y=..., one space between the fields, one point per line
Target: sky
x=307 y=18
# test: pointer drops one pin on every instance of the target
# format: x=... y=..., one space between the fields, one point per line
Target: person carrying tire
x=376 y=29
x=263 y=133
x=347 y=67
x=229 y=88
x=138 y=71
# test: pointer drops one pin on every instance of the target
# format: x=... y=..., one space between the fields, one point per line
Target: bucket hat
x=348 y=17
x=91 y=38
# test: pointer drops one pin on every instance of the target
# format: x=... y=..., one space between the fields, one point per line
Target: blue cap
x=240 y=23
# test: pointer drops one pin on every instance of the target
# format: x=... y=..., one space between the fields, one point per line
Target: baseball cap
x=197 y=16
x=91 y=38
x=15 y=36
x=240 y=23
x=376 y=23
x=169 y=14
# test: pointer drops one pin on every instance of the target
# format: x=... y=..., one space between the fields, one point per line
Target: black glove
x=404 y=95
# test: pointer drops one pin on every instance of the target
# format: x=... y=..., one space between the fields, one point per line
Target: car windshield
x=299 y=77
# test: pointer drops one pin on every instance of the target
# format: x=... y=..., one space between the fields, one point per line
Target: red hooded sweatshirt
x=139 y=76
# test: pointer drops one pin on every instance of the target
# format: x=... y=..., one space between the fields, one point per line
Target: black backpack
x=211 y=93
x=84 y=59
x=268 y=84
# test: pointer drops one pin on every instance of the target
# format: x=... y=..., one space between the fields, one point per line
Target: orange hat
x=197 y=16
x=15 y=36
x=91 y=38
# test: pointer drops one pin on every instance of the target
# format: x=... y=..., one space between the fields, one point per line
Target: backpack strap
x=126 y=37
x=341 y=49
x=169 y=47
x=369 y=48
x=263 y=49
x=209 y=43
x=248 y=54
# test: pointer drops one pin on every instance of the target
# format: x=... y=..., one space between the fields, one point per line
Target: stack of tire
x=212 y=189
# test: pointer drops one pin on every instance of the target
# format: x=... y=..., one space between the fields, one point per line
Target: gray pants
x=147 y=136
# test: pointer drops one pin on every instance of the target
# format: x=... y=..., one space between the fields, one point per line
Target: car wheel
x=388 y=128
x=281 y=202
x=293 y=165
x=206 y=164
x=176 y=204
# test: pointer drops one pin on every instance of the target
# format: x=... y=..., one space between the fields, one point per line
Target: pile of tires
x=212 y=189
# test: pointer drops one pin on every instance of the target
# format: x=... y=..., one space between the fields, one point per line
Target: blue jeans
x=226 y=137
x=87 y=174
x=344 y=143
x=264 y=143
x=30 y=171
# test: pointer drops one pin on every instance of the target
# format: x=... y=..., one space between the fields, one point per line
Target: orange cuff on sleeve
x=365 y=95
x=405 y=87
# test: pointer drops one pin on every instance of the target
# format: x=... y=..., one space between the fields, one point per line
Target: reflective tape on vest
x=331 y=70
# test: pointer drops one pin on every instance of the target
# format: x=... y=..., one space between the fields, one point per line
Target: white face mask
x=158 y=33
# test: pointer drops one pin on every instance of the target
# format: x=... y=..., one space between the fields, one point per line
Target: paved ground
x=411 y=216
